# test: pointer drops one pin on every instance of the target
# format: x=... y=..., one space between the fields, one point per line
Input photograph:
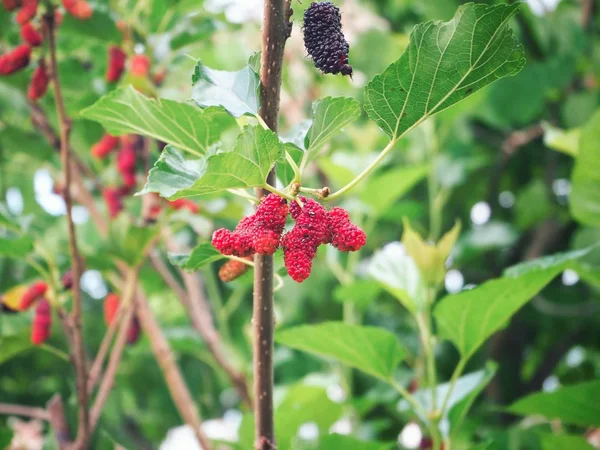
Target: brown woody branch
x=24 y=411
x=78 y=346
x=276 y=29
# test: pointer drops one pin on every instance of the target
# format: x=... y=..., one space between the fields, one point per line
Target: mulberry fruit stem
x=276 y=191
x=295 y=168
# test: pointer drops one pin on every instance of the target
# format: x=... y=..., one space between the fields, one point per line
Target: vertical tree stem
x=78 y=348
x=276 y=30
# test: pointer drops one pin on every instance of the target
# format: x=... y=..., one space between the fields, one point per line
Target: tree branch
x=78 y=346
x=56 y=417
x=276 y=29
x=24 y=411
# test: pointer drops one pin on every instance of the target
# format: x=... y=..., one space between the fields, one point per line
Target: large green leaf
x=330 y=115
x=237 y=92
x=15 y=247
x=372 y=350
x=100 y=26
x=398 y=274
x=340 y=441
x=585 y=194
x=576 y=404
x=185 y=126
x=201 y=255
x=14 y=345
x=445 y=62
x=564 y=442
x=558 y=260
x=247 y=165
x=381 y=191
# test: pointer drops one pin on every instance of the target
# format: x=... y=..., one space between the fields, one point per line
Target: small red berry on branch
x=27 y=12
x=35 y=292
x=67 y=280
x=42 y=322
x=104 y=146
x=116 y=64
x=184 y=203
x=140 y=65
x=112 y=198
x=39 y=82
x=345 y=236
x=10 y=5
x=31 y=36
x=15 y=60
x=134 y=331
x=111 y=307
x=233 y=269
x=80 y=9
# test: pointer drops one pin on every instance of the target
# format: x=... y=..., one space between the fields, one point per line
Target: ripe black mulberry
x=324 y=40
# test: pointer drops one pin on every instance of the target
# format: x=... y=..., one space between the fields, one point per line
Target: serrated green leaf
x=576 y=404
x=372 y=350
x=382 y=190
x=126 y=111
x=16 y=247
x=398 y=274
x=201 y=255
x=255 y=153
x=330 y=115
x=237 y=92
x=445 y=62
x=470 y=317
x=564 y=442
x=584 y=200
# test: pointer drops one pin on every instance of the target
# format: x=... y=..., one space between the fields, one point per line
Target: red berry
x=345 y=236
x=233 y=269
x=15 y=60
x=133 y=333
x=184 y=203
x=67 y=280
x=28 y=11
x=111 y=307
x=140 y=65
x=30 y=35
x=116 y=64
x=79 y=9
x=10 y=5
x=104 y=146
x=35 y=291
x=39 y=82
x=112 y=197
x=42 y=321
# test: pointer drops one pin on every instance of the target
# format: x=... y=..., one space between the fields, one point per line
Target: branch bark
x=24 y=411
x=78 y=346
x=56 y=417
x=276 y=30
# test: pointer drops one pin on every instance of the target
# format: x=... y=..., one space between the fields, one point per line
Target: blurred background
x=503 y=160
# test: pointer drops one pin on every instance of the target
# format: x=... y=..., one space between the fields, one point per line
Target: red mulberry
x=140 y=65
x=116 y=64
x=259 y=233
x=345 y=236
x=27 y=12
x=133 y=333
x=39 y=82
x=324 y=40
x=42 y=321
x=10 y=5
x=126 y=165
x=104 y=146
x=35 y=291
x=184 y=203
x=111 y=307
x=112 y=197
x=80 y=9
x=15 y=60
x=67 y=280
x=300 y=245
x=232 y=270
x=30 y=35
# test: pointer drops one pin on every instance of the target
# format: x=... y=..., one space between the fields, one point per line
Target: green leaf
x=557 y=261
x=372 y=350
x=576 y=404
x=15 y=247
x=100 y=27
x=304 y=404
x=255 y=153
x=382 y=191
x=127 y=241
x=330 y=115
x=340 y=441
x=361 y=293
x=585 y=194
x=14 y=345
x=398 y=274
x=565 y=141
x=563 y=442
x=237 y=92
x=201 y=255
x=445 y=62
x=470 y=317
x=126 y=111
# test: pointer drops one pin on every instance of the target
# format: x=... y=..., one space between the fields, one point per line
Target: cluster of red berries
x=111 y=308
x=19 y=58
x=261 y=233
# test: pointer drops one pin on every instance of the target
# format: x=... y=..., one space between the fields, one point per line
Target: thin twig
x=24 y=411
x=276 y=30
x=78 y=346
x=57 y=419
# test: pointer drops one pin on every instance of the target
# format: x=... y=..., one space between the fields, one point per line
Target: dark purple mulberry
x=324 y=40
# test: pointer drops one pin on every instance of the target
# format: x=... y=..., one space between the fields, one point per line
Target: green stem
x=55 y=351
x=295 y=168
x=435 y=203
x=274 y=190
x=361 y=176
x=217 y=302
x=455 y=375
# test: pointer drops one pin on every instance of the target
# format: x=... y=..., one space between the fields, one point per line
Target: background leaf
x=340 y=441
x=201 y=255
x=576 y=404
x=444 y=63
x=369 y=349
x=564 y=442
x=126 y=111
